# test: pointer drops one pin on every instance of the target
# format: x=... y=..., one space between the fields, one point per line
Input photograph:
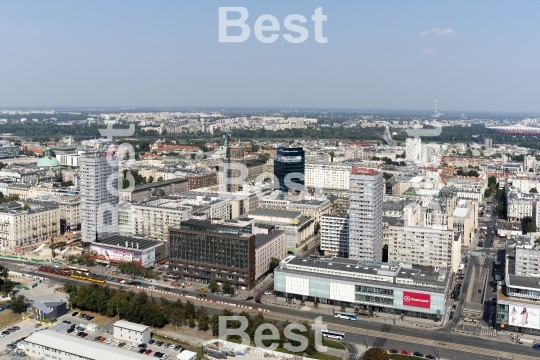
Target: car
x=79 y=333
x=70 y=330
x=118 y=342
x=159 y=343
x=83 y=335
x=147 y=351
x=130 y=347
x=16 y=328
x=167 y=289
x=202 y=295
x=152 y=287
x=405 y=352
x=393 y=351
x=143 y=345
x=75 y=313
x=536 y=346
x=97 y=338
x=66 y=322
x=151 y=341
x=141 y=351
x=2 y=335
x=451 y=317
x=429 y=356
x=164 y=356
x=158 y=354
x=11 y=346
x=109 y=341
x=176 y=347
x=89 y=317
x=267 y=292
x=249 y=298
x=418 y=353
x=166 y=345
x=122 y=344
x=184 y=291
x=454 y=307
x=37 y=325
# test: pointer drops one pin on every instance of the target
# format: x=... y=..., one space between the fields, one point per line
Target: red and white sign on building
x=415 y=299
x=363 y=171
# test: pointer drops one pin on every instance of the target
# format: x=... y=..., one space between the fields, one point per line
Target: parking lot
x=26 y=328
x=104 y=336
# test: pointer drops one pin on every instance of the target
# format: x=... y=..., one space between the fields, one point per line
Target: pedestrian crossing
x=489 y=332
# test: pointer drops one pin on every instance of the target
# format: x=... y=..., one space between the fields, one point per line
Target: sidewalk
x=383 y=318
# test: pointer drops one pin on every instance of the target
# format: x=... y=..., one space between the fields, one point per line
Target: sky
x=470 y=55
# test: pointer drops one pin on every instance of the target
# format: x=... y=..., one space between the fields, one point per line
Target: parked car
x=418 y=353
x=75 y=313
x=151 y=341
x=147 y=351
x=143 y=345
x=141 y=351
x=405 y=352
x=130 y=347
x=431 y=357
x=393 y=351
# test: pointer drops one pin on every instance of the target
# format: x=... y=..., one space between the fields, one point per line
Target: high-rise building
x=335 y=235
x=99 y=213
x=413 y=149
x=289 y=161
x=365 y=215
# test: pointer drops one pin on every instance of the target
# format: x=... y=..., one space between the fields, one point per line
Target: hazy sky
x=470 y=55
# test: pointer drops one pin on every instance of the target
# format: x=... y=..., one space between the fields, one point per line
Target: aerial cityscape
x=365 y=199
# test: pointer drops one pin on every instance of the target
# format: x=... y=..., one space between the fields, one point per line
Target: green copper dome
x=48 y=160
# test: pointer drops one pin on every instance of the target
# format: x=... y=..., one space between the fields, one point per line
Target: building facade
x=335 y=235
x=365 y=215
x=396 y=288
x=289 y=161
x=99 y=214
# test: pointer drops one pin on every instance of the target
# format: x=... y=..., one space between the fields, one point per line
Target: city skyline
x=471 y=57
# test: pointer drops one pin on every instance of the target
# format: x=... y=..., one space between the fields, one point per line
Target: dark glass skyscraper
x=289 y=161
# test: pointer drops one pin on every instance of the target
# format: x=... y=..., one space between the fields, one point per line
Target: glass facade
x=288 y=161
x=367 y=296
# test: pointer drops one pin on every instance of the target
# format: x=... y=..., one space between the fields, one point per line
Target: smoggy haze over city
x=471 y=56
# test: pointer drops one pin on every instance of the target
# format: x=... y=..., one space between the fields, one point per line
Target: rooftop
x=81 y=347
x=275 y=213
x=130 y=326
x=132 y=243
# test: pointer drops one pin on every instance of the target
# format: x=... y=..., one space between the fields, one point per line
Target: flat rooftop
x=275 y=213
x=118 y=241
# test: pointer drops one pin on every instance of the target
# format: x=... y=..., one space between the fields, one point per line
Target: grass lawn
x=400 y=357
x=333 y=344
x=8 y=318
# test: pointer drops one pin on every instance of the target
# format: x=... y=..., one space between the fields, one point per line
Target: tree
x=160 y=178
x=150 y=179
x=19 y=304
x=332 y=155
x=213 y=286
x=191 y=323
x=376 y=354
x=473 y=173
x=533 y=191
x=274 y=263
x=492 y=181
x=531 y=227
x=193 y=156
x=227 y=287
x=387 y=176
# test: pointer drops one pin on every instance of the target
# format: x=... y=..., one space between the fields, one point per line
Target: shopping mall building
x=401 y=289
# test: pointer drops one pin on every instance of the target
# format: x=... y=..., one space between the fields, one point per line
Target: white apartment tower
x=99 y=212
x=365 y=215
x=413 y=149
x=335 y=235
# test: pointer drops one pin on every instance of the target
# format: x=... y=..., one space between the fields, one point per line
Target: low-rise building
x=131 y=332
x=386 y=287
x=147 y=191
x=114 y=249
x=50 y=344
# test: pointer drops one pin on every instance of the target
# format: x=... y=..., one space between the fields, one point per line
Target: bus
x=343 y=315
x=333 y=334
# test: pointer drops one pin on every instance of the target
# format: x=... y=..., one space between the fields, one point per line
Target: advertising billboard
x=527 y=317
x=415 y=299
x=112 y=255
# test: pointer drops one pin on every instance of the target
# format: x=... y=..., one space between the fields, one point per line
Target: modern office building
x=204 y=250
x=99 y=214
x=518 y=294
x=8 y=151
x=413 y=149
x=289 y=161
x=365 y=215
x=335 y=235
x=401 y=289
